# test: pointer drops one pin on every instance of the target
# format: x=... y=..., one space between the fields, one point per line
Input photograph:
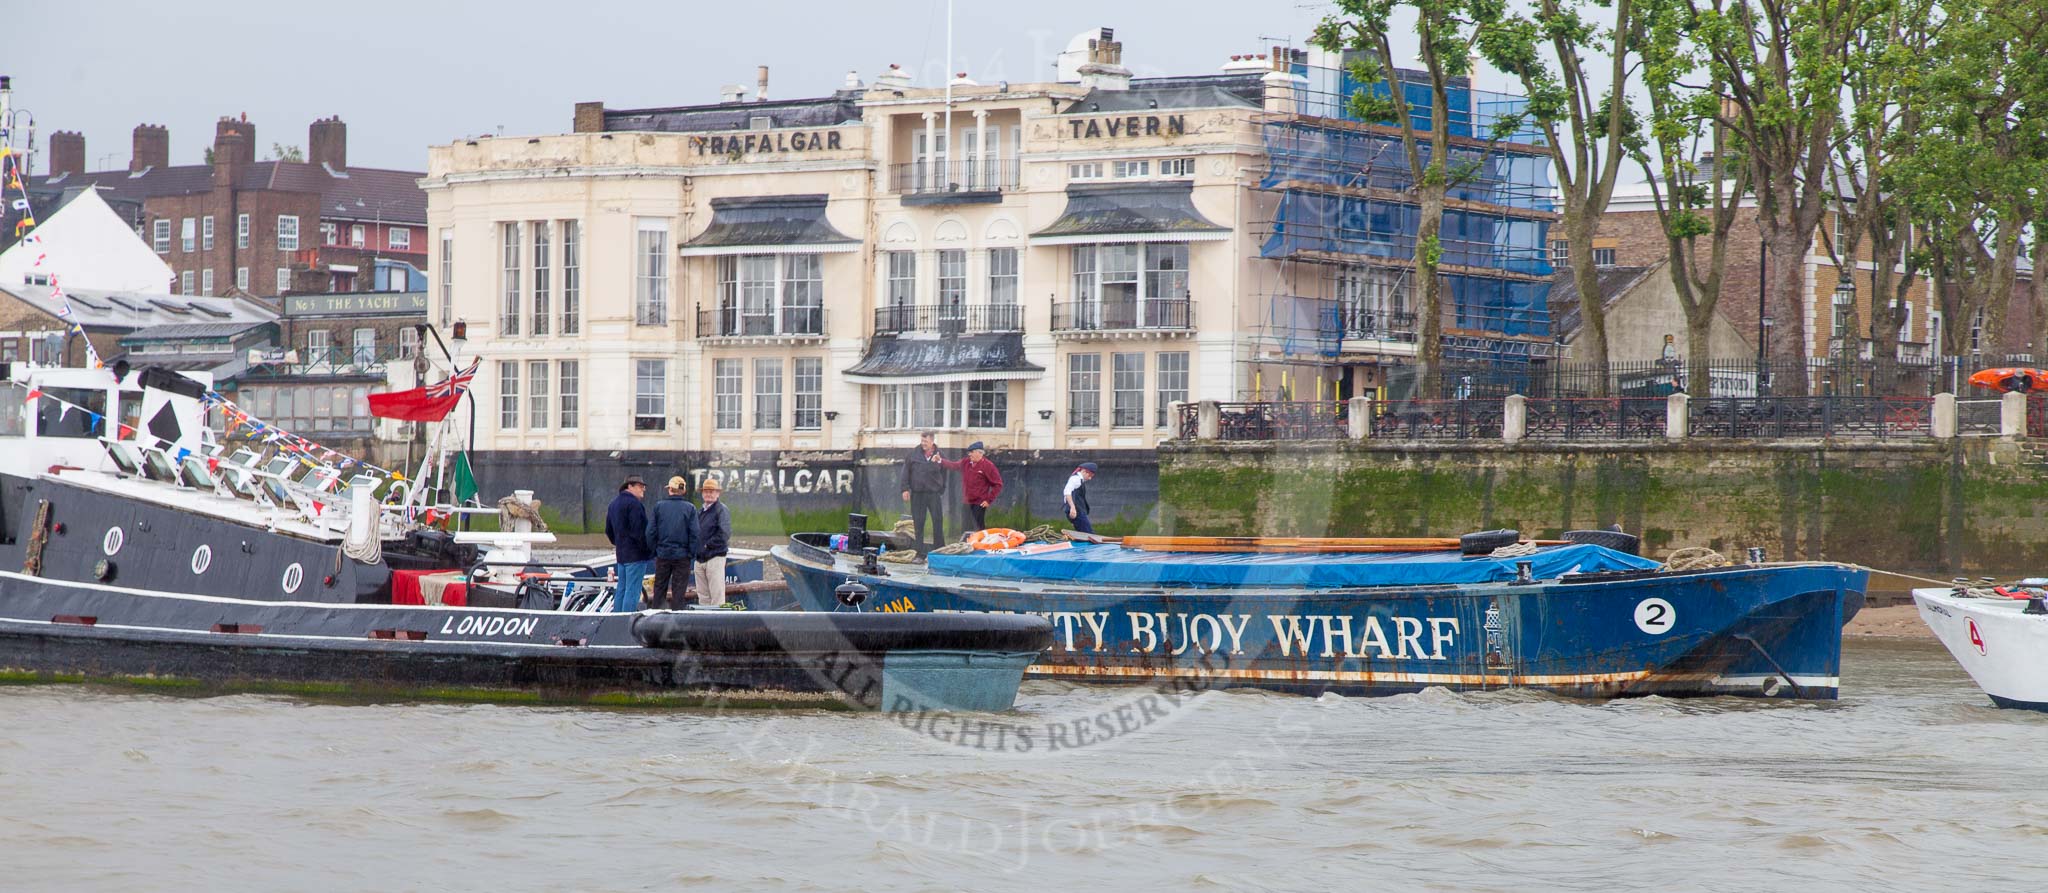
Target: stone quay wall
x=1961 y=505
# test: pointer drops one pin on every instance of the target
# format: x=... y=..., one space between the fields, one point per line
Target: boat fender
x=851 y=593
x=1627 y=543
x=996 y=538
x=1485 y=541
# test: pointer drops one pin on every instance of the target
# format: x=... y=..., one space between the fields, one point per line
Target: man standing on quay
x=981 y=484
x=672 y=532
x=714 y=535
x=625 y=524
x=924 y=487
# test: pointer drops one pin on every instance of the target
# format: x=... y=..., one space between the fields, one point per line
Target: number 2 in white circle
x=1655 y=616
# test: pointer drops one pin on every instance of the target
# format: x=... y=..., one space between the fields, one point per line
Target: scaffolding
x=1345 y=221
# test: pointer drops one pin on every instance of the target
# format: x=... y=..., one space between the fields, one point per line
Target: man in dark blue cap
x=1076 y=496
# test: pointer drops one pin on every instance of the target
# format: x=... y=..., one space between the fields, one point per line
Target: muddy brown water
x=1911 y=781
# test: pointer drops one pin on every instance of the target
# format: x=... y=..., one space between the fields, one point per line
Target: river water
x=1912 y=780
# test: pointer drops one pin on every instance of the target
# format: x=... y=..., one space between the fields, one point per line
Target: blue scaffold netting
x=1116 y=565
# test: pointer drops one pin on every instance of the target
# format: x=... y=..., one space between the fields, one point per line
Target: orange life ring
x=996 y=538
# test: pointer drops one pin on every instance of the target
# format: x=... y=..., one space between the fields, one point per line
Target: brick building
x=1630 y=235
x=335 y=349
x=265 y=228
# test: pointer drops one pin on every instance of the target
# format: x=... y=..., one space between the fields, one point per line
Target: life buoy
x=996 y=538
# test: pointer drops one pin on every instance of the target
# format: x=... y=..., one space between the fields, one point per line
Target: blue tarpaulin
x=1116 y=565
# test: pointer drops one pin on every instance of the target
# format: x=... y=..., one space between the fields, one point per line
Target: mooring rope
x=1692 y=558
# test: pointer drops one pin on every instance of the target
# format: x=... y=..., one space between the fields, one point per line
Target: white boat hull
x=2002 y=648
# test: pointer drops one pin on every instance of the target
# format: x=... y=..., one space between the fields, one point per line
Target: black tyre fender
x=1484 y=541
x=1612 y=539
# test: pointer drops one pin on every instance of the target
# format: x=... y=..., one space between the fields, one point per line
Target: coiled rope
x=1692 y=558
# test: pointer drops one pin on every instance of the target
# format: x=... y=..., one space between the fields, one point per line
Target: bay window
x=767 y=294
x=969 y=404
x=1129 y=285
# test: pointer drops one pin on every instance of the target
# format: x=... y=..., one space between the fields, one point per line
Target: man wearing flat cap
x=980 y=483
x=625 y=524
x=714 y=537
x=672 y=532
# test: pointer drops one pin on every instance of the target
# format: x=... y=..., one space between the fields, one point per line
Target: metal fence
x=1440 y=420
x=1727 y=377
x=949 y=319
x=1595 y=418
x=1835 y=416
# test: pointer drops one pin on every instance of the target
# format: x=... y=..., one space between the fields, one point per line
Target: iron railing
x=955 y=319
x=1439 y=420
x=1595 y=418
x=334 y=360
x=1825 y=416
x=1100 y=316
x=735 y=322
x=1295 y=420
x=954 y=177
x=1373 y=324
x=1727 y=377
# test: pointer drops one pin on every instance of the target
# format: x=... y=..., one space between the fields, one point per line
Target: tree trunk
x=1429 y=351
x=1592 y=305
x=2039 y=293
x=1785 y=302
x=1699 y=327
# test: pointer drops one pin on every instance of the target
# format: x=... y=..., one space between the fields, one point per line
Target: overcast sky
x=408 y=75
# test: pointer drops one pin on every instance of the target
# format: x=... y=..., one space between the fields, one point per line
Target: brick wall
x=262 y=257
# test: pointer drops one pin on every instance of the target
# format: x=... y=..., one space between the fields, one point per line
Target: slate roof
x=1614 y=283
x=824 y=111
x=769 y=220
x=1198 y=91
x=1123 y=208
x=390 y=194
x=177 y=331
x=961 y=357
x=102 y=309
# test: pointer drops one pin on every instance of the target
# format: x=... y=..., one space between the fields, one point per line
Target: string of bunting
x=66 y=407
x=10 y=173
x=306 y=450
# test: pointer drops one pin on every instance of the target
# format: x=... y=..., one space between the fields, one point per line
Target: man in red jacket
x=980 y=482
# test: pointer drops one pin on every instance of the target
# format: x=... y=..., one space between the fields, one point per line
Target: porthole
x=112 y=543
x=293 y=576
x=202 y=558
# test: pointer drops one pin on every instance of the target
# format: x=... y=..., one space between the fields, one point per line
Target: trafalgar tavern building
x=777 y=286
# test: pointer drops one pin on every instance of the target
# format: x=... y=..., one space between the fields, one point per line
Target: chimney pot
x=151 y=147
x=67 y=152
x=327 y=143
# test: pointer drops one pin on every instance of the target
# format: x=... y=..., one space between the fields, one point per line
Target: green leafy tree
x=1447 y=31
x=1781 y=65
x=1587 y=124
x=1696 y=202
x=1976 y=177
x=282 y=152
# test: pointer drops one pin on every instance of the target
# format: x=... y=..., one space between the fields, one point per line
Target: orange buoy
x=996 y=538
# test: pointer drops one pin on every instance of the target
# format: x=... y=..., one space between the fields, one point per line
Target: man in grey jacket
x=924 y=487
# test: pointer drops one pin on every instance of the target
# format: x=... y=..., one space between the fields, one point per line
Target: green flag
x=465 y=480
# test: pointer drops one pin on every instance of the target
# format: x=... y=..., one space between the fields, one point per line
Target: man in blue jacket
x=672 y=531
x=625 y=524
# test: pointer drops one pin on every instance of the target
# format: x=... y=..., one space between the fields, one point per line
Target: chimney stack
x=234 y=145
x=67 y=153
x=761 y=84
x=327 y=143
x=152 y=147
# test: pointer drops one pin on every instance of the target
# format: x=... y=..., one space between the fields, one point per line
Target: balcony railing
x=937 y=178
x=332 y=361
x=1114 y=316
x=780 y=322
x=949 y=319
x=1375 y=324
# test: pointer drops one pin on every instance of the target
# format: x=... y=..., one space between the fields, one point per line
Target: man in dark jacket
x=924 y=487
x=625 y=524
x=672 y=531
x=714 y=532
x=980 y=483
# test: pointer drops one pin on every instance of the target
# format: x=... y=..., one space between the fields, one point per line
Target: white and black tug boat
x=135 y=544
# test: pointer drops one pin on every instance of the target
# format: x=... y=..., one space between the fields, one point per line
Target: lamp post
x=1763 y=327
x=1845 y=295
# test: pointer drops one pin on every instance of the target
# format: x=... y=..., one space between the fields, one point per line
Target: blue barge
x=1576 y=619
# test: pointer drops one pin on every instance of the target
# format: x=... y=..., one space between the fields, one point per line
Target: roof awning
x=903 y=360
x=769 y=224
x=1130 y=212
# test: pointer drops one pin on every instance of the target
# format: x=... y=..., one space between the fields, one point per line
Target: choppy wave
x=1912 y=780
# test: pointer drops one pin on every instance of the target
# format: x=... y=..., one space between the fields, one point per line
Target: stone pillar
x=1208 y=420
x=1944 y=424
x=1173 y=417
x=1677 y=416
x=2012 y=415
x=931 y=154
x=1514 y=421
x=982 y=178
x=1360 y=418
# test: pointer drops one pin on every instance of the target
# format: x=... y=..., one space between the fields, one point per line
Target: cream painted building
x=1041 y=266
